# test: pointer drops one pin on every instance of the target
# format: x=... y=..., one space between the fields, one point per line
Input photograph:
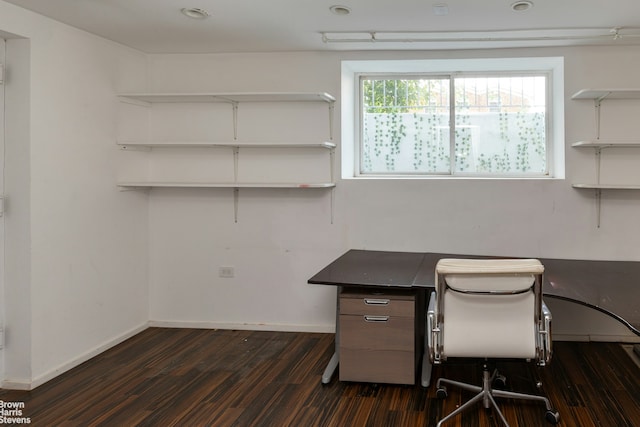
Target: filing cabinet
x=380 y=335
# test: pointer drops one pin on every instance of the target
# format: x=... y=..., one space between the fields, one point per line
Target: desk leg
x=426 y=364
x=331 y=368
x=426 y=370
x=335 y=359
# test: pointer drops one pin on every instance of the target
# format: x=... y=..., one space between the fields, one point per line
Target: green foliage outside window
x=499 y=128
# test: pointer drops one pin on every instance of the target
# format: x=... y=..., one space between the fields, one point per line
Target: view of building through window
x=499 y=125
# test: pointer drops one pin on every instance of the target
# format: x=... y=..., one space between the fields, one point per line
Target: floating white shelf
x=181 y=184
x=230 y=97
x=602 y=143
x=147 y=185
x=607 y=94
x=607 y=186
x=196 y=144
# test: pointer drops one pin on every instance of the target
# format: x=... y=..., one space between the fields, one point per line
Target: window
x=479 y=122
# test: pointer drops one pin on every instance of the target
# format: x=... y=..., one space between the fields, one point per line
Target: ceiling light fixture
x=340 y=10
x=440 y=9
x=542 y=35
x=616 y=33
x=194 y=13
x=521 y=6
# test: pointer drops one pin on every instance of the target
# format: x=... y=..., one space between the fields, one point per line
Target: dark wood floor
x=187 y=377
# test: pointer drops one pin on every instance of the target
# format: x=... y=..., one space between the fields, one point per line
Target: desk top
x=612 y=287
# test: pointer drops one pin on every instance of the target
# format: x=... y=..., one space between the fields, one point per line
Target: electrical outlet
x=226 y=272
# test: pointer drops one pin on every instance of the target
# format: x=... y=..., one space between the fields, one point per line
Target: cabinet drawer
x=392 y=367
x=373 y=332
x=377 y=304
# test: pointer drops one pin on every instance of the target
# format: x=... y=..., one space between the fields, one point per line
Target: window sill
x=452 y=178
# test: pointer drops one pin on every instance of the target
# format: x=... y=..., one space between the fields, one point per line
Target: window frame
x=352 y=107
x=451 y=78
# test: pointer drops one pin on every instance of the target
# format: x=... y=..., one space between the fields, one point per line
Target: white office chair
x=489 y=309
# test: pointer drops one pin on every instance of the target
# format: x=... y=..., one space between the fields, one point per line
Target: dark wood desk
x=612 y=287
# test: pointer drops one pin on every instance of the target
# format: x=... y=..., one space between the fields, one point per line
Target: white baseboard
x=278 y=327
x=22 y=384
x=570 y=337
x=628 y=339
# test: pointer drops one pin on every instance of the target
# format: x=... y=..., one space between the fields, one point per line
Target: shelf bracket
x=331 y=110
x=236 y=156
x=236 y=195
x=598 y=103
x=332 y=162
x=598 y=154
x=598 y=204
x=236 y=190
x=333 y=196
x=234 y=106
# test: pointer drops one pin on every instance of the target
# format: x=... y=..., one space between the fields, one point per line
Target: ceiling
x=158 y=26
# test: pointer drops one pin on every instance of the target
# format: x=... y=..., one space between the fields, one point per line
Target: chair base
x=486 y=394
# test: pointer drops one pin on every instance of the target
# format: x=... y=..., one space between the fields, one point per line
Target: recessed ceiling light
x=340 y=10
x=440 y=9
x=521 y=6
x=194 y=12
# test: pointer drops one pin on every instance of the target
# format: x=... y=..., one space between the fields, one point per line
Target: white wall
x=17 y=218
x=77 y=247
x=283 y=238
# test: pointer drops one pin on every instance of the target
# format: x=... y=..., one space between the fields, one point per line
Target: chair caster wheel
x=552 y=417
x=500 y=381
x=441 y=393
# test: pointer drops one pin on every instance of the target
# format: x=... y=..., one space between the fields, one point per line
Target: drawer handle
x=374 y=301
x=376 y=318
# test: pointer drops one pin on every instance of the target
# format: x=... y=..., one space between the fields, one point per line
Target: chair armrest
x=545 y=336
x=546 y=313
x=432 y=331
x=431 y=308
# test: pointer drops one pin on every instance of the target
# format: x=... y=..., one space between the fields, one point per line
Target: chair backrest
x=489 y=308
